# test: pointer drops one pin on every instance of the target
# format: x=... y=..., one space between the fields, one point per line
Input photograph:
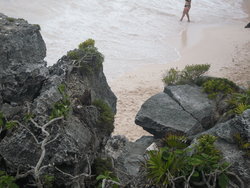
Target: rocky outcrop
x=230 y=137
x=22 y=68
x=128 y=157
x=182 y=108
x=29 y=89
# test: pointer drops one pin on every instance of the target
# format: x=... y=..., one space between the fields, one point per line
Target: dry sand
x=226 y=48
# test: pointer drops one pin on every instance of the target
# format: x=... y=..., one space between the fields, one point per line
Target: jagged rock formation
x=25 y=79
x=181 y=108
x=127 y=156
x=228 y=144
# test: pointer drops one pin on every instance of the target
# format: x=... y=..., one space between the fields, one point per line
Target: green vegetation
x=7 y=181
x=104 y=170
x=90 y=43
x=10 y=19
x=177 y=165
x=187 y=75
x=48 y=181
x=87 y=57
x=4 y=124
x=62 y=107
x=216 y=86
x=240 y=102
x=38 y=26
x=106 y=115
x=243 y=143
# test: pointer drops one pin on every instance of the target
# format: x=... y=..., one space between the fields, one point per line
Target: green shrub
x=187 y=75
x=73 y=54
x=243 y=144
x=106 y=115
x=7 y=181
x=4 y=124
x=86 y=44
x=217 y=86
x=10 y=19
x=62 y=107
x=48 y=181
x=173 y=165
x=240 y=102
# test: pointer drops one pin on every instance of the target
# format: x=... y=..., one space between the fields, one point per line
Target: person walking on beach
x=186 y=10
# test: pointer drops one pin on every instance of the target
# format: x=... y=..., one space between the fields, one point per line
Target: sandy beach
x=225 y=47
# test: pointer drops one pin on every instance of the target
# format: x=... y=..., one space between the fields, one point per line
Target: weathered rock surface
x=128 y=156
x=181 y=108
x=229 y=146
x=24 y=78
x=22 y=68
x=193 y=101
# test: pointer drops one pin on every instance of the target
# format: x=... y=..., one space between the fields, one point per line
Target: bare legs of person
x=185 y=12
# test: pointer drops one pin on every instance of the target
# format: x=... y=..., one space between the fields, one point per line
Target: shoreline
x=224 y=47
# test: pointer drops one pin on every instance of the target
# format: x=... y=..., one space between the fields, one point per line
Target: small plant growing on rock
x=243 y=144
x=10 y=19
x=7 y=181
x=106 y=115
x=104 y=170
x=187 y=75
x=240 y=102
x=216 y=86
x=62 y=107
x=90 y=43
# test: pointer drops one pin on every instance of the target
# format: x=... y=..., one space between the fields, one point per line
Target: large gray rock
x=22 y=68
x=229 y=146
x=195 y=102
x=127 y=156
x=161 y=113
x=25 y=78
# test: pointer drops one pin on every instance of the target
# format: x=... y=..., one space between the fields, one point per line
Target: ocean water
x=129 y=33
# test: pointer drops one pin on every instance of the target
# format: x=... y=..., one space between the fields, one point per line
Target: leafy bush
x=197 y=166
x=106 y=115
x=7 y=181
x=73 y=54
x=87 y=43
x=187 y=75
x=10 y=19
x=243 y=143
x=62 y=107
x=240 y=102
x=219 y=86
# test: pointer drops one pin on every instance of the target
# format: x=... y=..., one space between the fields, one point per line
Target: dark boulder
x=22 y=68
x=182 y=108
x=127 y=156
x=195 y=102
x=248 y=25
